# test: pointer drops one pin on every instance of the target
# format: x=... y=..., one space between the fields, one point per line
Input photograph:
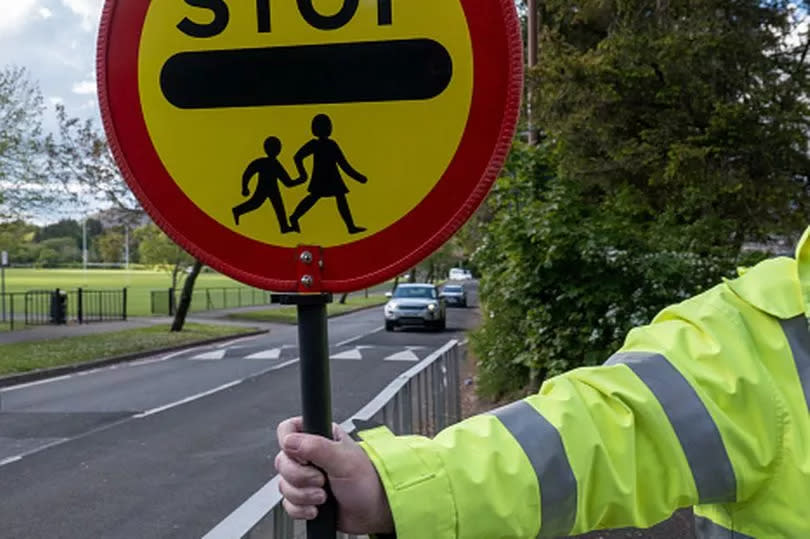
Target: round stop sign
x=365 y=133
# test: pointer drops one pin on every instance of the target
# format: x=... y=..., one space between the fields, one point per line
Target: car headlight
x=432 y=307
x=390 y=306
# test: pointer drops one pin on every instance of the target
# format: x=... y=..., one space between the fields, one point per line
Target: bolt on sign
x=371 y=129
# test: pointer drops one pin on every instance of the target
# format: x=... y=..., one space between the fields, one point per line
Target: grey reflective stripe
x=694 y=427
x=542 y=444
x=706 y=529
x=798 y=337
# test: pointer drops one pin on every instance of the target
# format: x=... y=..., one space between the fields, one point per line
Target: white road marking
x=348 y=341
x=282 y=365
x=273 y=353
x=239 y=340
x=165 y=407
x=211 y=356
x=35 y=383
x=10 y=460
x=142 y=362
x=354 y=353
x=405 y=355
x=223 y=387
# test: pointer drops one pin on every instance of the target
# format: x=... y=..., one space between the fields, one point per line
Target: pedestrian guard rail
x=58 y=307
x=164 y=302
x=423 y=400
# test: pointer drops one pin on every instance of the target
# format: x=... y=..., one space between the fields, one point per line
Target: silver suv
x=415 y=305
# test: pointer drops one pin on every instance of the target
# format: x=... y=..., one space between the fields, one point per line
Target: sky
x=55 y=40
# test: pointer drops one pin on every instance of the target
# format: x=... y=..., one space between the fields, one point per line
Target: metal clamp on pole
x=313 y=345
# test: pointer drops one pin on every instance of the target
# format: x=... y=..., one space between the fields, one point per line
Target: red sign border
x=497 y=90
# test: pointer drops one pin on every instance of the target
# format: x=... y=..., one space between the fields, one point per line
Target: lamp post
x=532 y=61
x=3 y=264
x=84 y=249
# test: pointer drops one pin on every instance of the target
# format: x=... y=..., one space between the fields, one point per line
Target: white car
x=415 y=305
x=459 y=274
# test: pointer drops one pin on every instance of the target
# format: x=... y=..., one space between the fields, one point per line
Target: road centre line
x=223 y=387
x=55 y=443
x=348 y=341
x=35 y=383
x=192 y=398
x=10 y=460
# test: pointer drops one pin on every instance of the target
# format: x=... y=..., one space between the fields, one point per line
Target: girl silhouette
x=326 y=179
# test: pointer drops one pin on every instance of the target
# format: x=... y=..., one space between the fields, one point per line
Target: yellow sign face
x=311 y=122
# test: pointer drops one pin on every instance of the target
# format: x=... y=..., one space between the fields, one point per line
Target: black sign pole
x=316 y=392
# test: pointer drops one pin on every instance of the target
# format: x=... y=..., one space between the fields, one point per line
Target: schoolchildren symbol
x=371 y=129
x=325 y=182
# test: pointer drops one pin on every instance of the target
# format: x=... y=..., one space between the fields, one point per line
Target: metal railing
x=58 y=307
x=208 y=299
x=423 y=400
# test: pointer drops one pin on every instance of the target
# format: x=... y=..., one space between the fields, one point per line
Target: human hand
x=245 y=192
x=362 y=504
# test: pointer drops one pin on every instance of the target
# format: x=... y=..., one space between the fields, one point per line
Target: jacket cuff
x=415 y=481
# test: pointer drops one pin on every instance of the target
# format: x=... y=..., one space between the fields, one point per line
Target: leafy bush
x=566 y=276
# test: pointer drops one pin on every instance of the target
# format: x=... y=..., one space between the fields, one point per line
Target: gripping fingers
x=302 y=497
x=300 y=513
x=297 y=474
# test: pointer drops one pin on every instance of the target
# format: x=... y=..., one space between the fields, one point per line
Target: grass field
x=139 y=283
x=223 y=292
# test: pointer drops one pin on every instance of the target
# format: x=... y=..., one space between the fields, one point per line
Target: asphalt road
x=170 y=445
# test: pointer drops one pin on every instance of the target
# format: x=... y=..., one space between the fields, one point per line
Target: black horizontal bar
x=402 y=70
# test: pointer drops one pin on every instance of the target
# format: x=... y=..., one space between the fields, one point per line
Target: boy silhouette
x=270 y=172
x=326 y=180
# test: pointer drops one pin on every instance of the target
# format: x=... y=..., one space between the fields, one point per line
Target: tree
x=58 y=250
x=156 y=248
x=80 y=159
x=22 y=185
x=185 y=297
x=66 y=228
x=17 y=238
x=673 y=133
x=695 y=110
x=111 y=246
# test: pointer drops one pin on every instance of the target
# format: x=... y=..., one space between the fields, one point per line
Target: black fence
x=208 y=299
x=58 y=307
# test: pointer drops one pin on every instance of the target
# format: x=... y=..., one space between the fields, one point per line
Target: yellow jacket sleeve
x=685 y=413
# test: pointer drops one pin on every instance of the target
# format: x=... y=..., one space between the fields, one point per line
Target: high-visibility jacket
x=707 y=406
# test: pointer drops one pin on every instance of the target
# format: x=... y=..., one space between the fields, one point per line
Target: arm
x=624 y=444
x=284 y=177
x=250 y=171
x=347 y=168
x=305 y=151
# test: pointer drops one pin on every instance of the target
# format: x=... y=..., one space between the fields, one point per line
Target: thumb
x=332 y=457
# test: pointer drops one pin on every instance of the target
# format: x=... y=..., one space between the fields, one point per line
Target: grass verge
x=289 y=315
x=29 y=356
